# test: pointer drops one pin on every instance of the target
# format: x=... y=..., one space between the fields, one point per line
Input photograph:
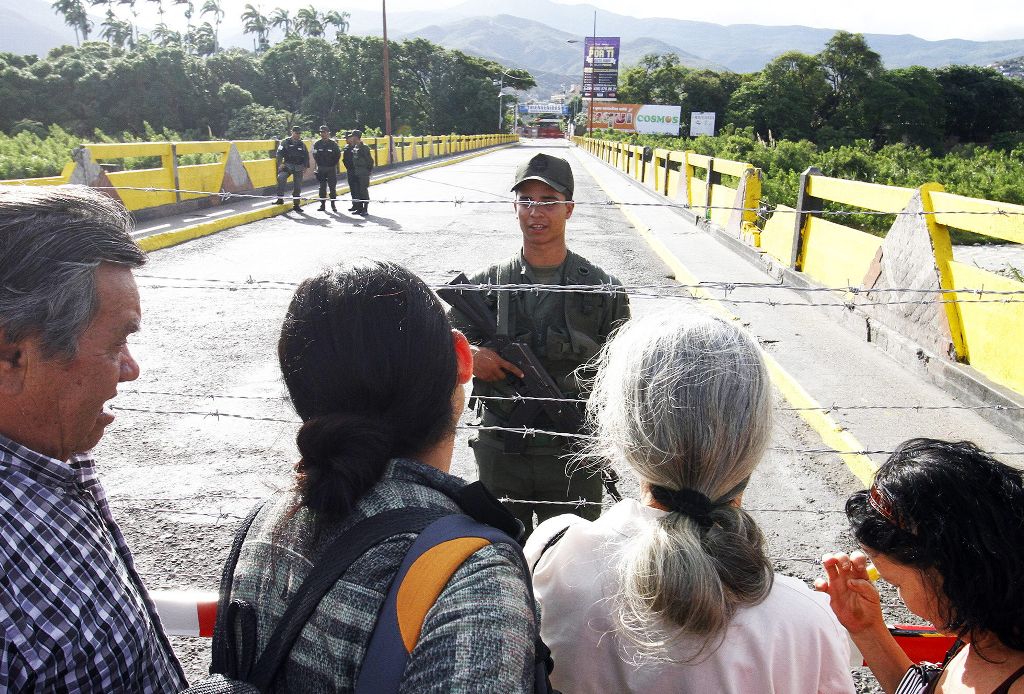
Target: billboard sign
x=552 y=107
x=702 y=123
x=601 y=67
x=646 y=119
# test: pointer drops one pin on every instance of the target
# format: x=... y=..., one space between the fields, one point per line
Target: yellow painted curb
x=173 y=238
x=831 y=432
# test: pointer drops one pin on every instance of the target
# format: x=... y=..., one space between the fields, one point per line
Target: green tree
x=854 y=72
x=980 y=102
x=783 y=101
x=915 y=112
x=656 y=79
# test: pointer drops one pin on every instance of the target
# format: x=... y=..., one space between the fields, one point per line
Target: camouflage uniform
x=564 y=330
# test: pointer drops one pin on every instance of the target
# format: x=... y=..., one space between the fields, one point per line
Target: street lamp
x=500 y=83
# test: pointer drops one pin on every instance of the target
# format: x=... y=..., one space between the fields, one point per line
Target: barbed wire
x=579 y=401
x=726 y=286
x=504 y=200
x=670 y=293
x=520 y=431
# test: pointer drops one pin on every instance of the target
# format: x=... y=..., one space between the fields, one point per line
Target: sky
x=938 y=19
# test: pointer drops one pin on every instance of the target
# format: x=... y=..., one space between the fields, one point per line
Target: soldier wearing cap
x=327 y=154
x=292 y=160
x=564 y=329
x=358 y=164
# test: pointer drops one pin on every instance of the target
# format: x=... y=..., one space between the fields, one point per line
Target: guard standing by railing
x=292 y=160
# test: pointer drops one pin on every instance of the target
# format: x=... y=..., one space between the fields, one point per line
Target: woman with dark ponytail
x=675 y=593
x=375 y=372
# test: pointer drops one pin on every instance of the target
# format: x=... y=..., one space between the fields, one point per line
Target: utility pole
x=590 y=113
x=387 y=85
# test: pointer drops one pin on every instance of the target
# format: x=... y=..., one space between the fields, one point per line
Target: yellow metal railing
x=173 y=182
x=984 y=329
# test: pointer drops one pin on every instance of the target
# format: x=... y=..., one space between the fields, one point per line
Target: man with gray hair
x=75 y=614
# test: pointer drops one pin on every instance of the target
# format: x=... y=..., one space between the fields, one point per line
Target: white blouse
x=789 y=644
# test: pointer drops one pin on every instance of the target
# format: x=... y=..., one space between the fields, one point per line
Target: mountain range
x=545 y=37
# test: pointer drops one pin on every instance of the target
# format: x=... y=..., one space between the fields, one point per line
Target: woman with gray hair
x=675 y=593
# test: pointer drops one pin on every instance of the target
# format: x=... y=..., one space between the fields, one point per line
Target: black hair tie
x=689 y=502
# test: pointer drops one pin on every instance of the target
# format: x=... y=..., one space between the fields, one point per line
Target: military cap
x=324 y=129
x=355 y=133
x=554 y=171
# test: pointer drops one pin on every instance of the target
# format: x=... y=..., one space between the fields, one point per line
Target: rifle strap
x=504 y=300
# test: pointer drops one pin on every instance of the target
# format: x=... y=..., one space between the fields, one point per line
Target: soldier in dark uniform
x=564 y=330
x=292 y=160
x=326 y=154
x=358 y=164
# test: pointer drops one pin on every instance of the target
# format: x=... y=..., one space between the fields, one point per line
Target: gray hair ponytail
x=685 y=400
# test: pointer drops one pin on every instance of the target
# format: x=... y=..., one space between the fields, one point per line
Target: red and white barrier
x=186 y=612
x=193 y=613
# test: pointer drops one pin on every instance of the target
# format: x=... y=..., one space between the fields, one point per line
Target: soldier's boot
x=279 y=201
x=334 y=208
x=323 y=207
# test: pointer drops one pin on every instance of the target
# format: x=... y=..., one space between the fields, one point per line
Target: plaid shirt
x=76 y=617
x=477 y=637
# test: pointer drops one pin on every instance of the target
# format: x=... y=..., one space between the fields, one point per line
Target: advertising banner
x=702 y=123
x=637 y=118
x=552 y=107
x=601 y=67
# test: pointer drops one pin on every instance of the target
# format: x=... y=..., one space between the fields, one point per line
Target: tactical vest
x=564 y=330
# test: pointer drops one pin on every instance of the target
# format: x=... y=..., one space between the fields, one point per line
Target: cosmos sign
x=648 y=119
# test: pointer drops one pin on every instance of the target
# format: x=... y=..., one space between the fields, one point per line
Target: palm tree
x=75 y=17
x=281 y=19
x=134 y=24
x=213 y=7
x=117 y=31
x=339 y=20
x=255 y=22
x=203 y=39
x=309 y=22
x=166 y=36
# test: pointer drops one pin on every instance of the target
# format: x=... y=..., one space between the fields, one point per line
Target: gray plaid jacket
x=478 y=636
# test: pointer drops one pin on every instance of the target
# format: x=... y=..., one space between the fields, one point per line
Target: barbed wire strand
x=521 y=431
x=504 y=200
x=726 y=286
x=578 y=401
x=848 y=304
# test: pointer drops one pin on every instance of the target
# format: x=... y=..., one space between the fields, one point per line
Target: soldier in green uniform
x=564 y=330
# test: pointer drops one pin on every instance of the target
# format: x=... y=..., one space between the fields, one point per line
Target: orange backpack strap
x=435 y=555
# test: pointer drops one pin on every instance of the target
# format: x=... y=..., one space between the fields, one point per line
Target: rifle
x=536 y=382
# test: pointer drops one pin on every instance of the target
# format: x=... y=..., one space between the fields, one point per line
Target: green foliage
x=174 y=84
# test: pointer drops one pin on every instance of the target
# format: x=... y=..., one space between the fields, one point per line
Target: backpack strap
x=334 y=561
x=223 y=657
x=428 y=566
